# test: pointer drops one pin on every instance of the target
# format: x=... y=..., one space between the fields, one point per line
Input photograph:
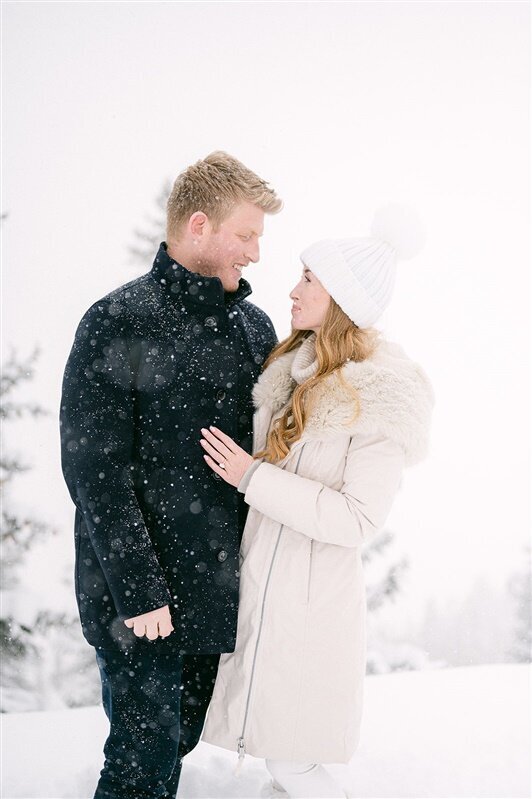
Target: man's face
x=225 y=252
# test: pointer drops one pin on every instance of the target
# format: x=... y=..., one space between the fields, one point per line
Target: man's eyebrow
x=305 y=270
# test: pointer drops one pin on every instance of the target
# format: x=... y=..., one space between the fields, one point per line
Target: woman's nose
x=293 y=294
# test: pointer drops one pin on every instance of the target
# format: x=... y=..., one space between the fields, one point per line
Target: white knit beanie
x=359 y=273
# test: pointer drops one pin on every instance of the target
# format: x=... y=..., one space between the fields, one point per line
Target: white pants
x=304 y=780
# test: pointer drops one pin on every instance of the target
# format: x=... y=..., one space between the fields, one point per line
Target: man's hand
x=156 y=623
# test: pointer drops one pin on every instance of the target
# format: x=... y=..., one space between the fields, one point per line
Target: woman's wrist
x=248 y=474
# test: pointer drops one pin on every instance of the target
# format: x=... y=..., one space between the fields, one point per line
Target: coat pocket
x=309 y=575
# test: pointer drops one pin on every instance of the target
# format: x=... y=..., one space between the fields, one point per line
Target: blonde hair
x=214 y=185
x=338 y=340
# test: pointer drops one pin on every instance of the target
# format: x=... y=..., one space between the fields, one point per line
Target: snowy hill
x=462 y=732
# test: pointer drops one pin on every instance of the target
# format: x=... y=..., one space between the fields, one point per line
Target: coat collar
x=396 y=397
x=305 y=363
x=195 y=288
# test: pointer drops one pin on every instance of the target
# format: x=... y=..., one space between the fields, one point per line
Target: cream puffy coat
x=293 y=687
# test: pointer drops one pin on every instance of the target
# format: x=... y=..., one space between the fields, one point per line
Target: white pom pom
x=401 y=227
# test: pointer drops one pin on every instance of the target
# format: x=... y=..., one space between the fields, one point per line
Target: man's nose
x=253 y=252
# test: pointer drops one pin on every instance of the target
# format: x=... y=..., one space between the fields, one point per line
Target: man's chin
x=231 y=285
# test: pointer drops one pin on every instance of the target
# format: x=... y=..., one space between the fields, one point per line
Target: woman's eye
x=307 y=279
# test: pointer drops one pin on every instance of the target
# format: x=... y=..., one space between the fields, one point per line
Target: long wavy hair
x=338 y=340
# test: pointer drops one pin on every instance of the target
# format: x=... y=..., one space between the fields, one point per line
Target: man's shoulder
x=131 y=301
x=133 y=293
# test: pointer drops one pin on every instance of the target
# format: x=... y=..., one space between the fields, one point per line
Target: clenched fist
x=157 y=623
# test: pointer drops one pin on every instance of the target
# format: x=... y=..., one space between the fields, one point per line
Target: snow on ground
x=461 y=732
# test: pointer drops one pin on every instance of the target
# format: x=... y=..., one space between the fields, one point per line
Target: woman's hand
x=224 y=456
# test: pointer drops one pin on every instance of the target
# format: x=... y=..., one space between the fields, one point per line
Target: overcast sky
x=342 y=107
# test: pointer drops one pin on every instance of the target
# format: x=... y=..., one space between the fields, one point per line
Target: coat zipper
x=241 y=745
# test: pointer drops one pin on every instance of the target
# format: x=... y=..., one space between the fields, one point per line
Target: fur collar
x=396 y=398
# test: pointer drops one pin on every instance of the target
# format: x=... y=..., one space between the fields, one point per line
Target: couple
x=221 y=476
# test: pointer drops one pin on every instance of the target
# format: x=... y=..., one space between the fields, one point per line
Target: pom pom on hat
x=359 y=273
x=401 y=228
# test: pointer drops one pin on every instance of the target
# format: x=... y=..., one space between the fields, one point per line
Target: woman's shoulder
x=388 y=394
x=394 y=395
x=390 y=365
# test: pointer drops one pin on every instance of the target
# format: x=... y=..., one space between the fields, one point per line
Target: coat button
x=211 y=321
x=220 y=395
x=222 y=555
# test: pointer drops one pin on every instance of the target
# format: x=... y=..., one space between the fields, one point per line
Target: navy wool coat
x=153 y=362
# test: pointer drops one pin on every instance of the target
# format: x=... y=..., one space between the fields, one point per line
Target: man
x=157 y=532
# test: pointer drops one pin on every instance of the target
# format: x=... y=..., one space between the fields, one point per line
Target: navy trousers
x=156 y=704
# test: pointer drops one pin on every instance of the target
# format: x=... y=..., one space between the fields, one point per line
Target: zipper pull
x=241 y=750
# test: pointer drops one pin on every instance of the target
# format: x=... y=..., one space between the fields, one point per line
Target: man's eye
x=245 y=238
x=307 y=279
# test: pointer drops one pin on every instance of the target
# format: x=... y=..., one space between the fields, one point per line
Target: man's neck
x=181 y=253
x=186 y=255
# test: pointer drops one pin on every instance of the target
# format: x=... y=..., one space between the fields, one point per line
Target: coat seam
x=248 y=704
x=303 y=658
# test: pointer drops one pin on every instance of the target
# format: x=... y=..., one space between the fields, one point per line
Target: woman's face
x=310 y=302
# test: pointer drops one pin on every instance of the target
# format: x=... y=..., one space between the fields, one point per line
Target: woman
x=339 y=413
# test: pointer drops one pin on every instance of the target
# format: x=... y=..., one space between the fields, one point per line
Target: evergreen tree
x=468 y=629
x=520 y=587
x=386 y=587
x=17 y=533
x=148 y=240
x=46 y=664
x=383 y=574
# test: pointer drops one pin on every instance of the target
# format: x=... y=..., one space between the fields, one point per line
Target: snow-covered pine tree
x=45 y=664
x=17 y=533
x=148 y=240
x=469 y=628
x=520 y=588
x=384 y=588
x=383 y=579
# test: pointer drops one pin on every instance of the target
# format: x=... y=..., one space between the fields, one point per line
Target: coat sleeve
x=96 y=422
x=347 y=517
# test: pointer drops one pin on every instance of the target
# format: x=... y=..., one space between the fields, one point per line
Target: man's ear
x=197 y=224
